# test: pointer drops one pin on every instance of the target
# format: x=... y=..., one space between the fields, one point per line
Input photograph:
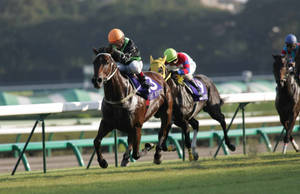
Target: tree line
x=50 y=40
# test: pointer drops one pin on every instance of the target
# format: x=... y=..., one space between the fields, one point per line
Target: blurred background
x=46 y=52
x=46 y=46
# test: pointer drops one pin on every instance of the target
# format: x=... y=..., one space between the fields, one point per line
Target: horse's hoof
x=103 y=163
x=191 y=157
x=157 y=159
x=196 y=156
x=124 y=163
x=171 y=148
x=231 y=147
x=149 y=146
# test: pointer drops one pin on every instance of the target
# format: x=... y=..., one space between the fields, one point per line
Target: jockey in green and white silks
x=126 y=55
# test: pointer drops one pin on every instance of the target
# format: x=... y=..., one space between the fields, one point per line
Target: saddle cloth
x=150 y=94
x=194 y=92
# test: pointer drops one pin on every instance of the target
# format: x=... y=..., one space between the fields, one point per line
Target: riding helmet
x=291 y=39
x=115 y=35
x=170 y=55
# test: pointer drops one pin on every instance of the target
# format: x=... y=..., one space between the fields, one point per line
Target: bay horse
x=287 y=100
x=185 y=108
x=124 y=110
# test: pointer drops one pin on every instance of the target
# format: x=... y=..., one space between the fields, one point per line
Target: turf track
x=267 y=173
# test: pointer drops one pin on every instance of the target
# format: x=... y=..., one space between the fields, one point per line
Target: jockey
x=184 y=64
x=289 y=51
x=126 y=54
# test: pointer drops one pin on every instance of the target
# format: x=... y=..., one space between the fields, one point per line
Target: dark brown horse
x=122 y=109
x=185 y=108
x=287 y=97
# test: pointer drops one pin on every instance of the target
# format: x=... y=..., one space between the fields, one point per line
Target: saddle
x=148 y=94
x=192 y=90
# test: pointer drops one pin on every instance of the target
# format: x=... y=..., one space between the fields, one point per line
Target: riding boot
x=143 y=81
x=192 y=82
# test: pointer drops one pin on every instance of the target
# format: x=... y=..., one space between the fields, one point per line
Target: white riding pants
x=134 y=67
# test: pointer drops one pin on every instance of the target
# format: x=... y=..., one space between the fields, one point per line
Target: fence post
x=22 y=153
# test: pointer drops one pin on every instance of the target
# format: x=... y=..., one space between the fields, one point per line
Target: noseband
x=111 y=74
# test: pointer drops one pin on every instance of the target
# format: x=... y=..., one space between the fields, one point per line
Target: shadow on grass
x=204 y=164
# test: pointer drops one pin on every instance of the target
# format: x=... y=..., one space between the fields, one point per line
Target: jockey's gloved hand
x=174 y=74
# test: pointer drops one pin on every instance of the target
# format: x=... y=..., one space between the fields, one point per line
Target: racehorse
x=124 y=110
x=287 y=100
x=185 y=108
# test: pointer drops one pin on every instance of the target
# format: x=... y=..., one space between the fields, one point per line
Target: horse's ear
x=165 y=57
x=95 y=51
x=151 y=59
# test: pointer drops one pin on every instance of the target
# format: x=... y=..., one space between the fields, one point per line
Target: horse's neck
x=179 y=91
x=117 y=87
x=291 y=87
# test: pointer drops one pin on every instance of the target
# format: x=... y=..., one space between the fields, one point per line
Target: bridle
x=106 y=79
x=112 y=73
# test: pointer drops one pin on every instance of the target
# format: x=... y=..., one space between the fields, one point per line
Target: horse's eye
x=160 y=70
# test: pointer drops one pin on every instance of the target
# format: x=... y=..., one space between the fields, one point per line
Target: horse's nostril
x=99 y=80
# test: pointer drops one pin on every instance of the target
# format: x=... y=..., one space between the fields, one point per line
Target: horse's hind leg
x=215 y=112
x=104 y=129
x=195 y=125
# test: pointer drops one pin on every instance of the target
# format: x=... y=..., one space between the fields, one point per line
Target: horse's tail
x=221 y=102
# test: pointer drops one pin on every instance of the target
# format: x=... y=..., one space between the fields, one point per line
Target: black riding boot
x=192 y=82
x=143 y=81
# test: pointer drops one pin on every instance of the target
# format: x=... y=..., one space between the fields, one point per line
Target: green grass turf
x=267 y=173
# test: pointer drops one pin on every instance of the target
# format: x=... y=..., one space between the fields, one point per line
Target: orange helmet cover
x=115 y=35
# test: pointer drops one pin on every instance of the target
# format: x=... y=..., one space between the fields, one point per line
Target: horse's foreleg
x=126 y=155
x=136 y=143
x=188 y=141
x=195 y=124
x=289 y=125
x=158 y=149
x=184 y=127
x=102 y=132
x=166 y=122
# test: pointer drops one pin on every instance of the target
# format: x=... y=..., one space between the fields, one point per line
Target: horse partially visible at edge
x=124 y=110
x=185 y=108
x=287 y=101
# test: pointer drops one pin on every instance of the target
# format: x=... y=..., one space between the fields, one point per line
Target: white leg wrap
x=284 y=148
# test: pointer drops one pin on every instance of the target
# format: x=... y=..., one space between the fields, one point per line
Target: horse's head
x=104 y=68
x=158 y=66
x=279 y=69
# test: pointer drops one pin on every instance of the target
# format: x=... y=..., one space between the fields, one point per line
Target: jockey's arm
x=126 y=56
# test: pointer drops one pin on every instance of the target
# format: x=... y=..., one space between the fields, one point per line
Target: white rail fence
x=56 y=108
